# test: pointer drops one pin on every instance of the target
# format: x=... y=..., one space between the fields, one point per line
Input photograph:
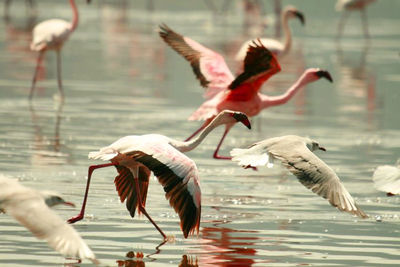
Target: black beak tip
x=322 y=148
x=325 y=74
x=301 y=17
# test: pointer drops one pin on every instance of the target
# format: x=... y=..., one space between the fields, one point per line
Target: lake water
x=121 y=79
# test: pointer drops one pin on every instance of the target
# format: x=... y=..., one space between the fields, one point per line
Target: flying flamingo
x=276 y=47
x=296 y=153
x=31 y=209
x=135 y=157
x=225 y=92
x=51 y=35
x=351 y=5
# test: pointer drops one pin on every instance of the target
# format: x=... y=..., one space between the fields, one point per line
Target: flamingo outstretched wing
x=176 y=172
x=259 y=64
x=209 y=67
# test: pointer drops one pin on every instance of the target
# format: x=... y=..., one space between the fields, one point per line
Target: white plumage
x=387 y=178
x=29 y=208
x=295 y=153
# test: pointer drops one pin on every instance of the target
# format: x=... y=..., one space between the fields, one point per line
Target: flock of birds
x=229 y=100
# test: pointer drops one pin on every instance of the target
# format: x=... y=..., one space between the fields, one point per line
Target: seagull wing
x=314 y=174
x=209 y=67
x=30 y=210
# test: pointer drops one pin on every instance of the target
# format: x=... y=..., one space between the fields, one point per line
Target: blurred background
x=120 y=78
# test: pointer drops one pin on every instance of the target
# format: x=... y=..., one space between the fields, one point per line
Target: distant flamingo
x=296 y=154
x=276 y=47
x=51 y=35
x=351 y=5
x=225 y=92
x=135 y=157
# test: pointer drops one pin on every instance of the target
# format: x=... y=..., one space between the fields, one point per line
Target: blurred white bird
x=31 y=209
x=387 y=178
x=296 y=154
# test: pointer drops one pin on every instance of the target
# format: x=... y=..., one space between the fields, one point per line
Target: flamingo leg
x=364 y=22
x=90 y=171
x=342 y=22
x=58 y=51
x=141 y=207
x=215 y=155
x=38 y=61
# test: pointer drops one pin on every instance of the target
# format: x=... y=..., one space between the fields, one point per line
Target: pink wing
x=209 y=67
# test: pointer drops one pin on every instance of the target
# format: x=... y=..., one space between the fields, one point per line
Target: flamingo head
x=292 y=12
x=230 y=116
x=52 y=199
x=314 y=74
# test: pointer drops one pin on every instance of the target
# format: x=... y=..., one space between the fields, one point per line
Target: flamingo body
x=352 y=4
x=135 y=157
x=296 y=154
x=50 y=34
x=31 y=209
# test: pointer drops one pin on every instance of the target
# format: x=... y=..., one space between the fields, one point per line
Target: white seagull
x=31 y=209
x=296 y=154
x=387 y=178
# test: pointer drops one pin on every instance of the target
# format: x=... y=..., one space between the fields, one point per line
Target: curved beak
x=239 y=116
x=67 y=203
x=322 y=148
x=301 y=17
x=324 y=74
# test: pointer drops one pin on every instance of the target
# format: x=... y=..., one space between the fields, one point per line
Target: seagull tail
x=246 y=157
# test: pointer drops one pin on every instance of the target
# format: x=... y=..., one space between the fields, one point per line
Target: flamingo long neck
x=75 y=17
x=192 y=144
x=288 y=33
x=268 y=101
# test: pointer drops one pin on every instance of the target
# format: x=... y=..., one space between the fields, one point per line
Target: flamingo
x=276 y=47
x=296 y=153
x=387 y=179
x=225 y=92
x=31 y=209
x=350 y=5
x=51 y=35
x=135 y=157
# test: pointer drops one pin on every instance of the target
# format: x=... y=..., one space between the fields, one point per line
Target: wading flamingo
x=296 y=154
x=31 y=209
x=51 y=35
x=276 y=47
x=387 y=179
x=346 y=6
x=135 y=157
x=225 y=92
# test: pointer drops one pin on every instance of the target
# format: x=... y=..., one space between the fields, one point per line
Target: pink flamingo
x=276 y=47
x=225 y=92
x=135 y=157
x=351 y=5
x=51 y=35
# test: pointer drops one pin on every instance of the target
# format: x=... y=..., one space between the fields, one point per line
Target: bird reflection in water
x=135 y=260
x=358 y=81
x=47 y=150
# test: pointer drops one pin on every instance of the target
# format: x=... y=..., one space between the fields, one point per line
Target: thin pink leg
x=38 y=61
x=216 y=156
x=364 y=22
x=141 y=207
x=90 y=171
x=59 y=80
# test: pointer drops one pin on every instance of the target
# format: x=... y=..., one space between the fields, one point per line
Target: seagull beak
x=324 y=74
x=67 y=203
x=322 y=148
x=301 y=17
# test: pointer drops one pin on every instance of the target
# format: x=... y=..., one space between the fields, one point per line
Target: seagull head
x=53 y=198
x=313 y=145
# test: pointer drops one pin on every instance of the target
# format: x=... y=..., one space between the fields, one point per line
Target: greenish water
x=121 y=79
